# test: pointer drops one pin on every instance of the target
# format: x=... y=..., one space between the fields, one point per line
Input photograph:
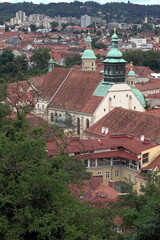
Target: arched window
x=130 y=102
x=78 y=126
x=87 y=123
x=52 y=117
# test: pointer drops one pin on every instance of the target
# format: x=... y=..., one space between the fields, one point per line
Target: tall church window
x=110 y=103
x=130 y=102
x=87 y=123
x=78 y=126
x=52 y=117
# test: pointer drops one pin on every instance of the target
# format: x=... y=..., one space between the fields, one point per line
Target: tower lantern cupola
x=50 y=65
x=88 y=57
x=114 y=64
x=131 y=79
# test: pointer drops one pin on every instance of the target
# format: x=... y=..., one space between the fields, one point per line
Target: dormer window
x=145 y=158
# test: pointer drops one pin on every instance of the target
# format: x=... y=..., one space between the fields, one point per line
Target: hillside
x=111 y=11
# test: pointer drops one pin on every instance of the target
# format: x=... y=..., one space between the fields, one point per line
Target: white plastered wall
x=119 y=95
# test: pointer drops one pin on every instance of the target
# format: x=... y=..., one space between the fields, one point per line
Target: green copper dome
x=114 y=36
x=131 y=73
x=140 y=96
x=88 y=54
x=114 y=51
x=64 y=121
x=114 y=64
x=51 y=61
x=88 y=39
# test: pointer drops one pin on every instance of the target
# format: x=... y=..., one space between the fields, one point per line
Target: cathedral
x=75 y=98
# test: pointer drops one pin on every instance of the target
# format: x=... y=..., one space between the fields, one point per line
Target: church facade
x=77 y=97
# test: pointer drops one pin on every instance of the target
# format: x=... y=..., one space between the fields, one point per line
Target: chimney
x=106 y=131
x=103 y=130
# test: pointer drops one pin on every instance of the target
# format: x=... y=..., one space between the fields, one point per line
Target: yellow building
x=116 y=158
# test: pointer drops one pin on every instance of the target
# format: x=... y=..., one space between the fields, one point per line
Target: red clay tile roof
x=109 y=154
x=94 y=192
x=154 y=83
x=141 y=71
x=82 y=146
x=76 y=91
x=154 y=96
x=129 y=122
x=154 y=112
x=52 y=81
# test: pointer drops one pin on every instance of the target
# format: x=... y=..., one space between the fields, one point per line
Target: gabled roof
x=94 y=192
x=76 y=90
x=154 y=164
x=123 y=121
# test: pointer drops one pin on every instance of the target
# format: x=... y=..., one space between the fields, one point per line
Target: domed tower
x=88 y=57
x=114 y=64
x=131 y=79
x=50 y=65
x=64 y=121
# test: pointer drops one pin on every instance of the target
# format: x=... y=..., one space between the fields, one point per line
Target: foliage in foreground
x=141 y=213
x=35 y=202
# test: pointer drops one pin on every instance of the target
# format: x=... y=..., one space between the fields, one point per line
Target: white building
x=138 y=41
x=86 y=21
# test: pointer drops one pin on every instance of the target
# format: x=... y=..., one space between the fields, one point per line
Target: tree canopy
x=40 y=58
x=35 y=201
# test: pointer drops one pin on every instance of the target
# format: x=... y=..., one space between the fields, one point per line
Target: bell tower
x=114 y=64
x=88 y=57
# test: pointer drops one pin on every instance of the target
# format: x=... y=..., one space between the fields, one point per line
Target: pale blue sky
x=150 y=2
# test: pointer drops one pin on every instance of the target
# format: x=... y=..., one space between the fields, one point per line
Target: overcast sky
x=150 y=2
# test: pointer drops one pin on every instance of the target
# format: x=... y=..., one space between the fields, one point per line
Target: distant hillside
x=112 y=11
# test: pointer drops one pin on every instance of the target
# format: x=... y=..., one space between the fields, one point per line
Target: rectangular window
x=42 y=107
x=108 y=174
x=99 y=173
x=129 y=177
x=116 y=173
x=145 y=158
x=86 y=162
x=93 y=163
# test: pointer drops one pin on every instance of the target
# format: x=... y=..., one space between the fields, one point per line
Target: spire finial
x=131 y=64
x=88 y=33
x=114 y=30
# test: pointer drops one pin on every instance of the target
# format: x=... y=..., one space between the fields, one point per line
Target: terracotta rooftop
x=154 y=96
x=141 y=71
x=77 y=94
x=129 y=122
x=94 y=192
x=109 y=154
x=135 y=146
x=154 y=112
x=153 y=83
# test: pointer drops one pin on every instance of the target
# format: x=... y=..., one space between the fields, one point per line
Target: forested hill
x=115 y=11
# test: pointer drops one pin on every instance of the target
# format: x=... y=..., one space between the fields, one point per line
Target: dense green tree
x=141 y=213
x=22 y=63
x=33 y=27
x=143 y=58
x=6 y=56
x=72 y=60
x=54 y=24
x=35 y=201
x=40 y=58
